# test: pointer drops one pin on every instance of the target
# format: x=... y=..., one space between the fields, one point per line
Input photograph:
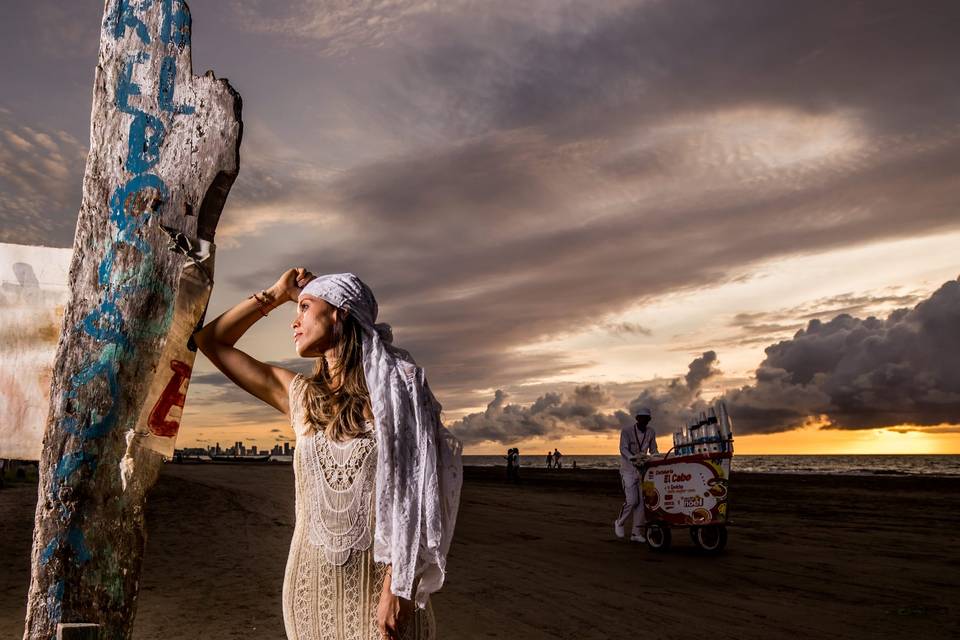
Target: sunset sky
x=568 y=210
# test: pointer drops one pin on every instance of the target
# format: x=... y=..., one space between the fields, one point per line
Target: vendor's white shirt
x=634 y=442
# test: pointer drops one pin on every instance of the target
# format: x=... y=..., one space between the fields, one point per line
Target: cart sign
x=687 y=491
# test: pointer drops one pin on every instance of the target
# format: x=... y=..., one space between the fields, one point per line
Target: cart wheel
x=658 y=537
x=712 y=538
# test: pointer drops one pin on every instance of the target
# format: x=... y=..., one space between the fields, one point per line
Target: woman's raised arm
x=217 y=339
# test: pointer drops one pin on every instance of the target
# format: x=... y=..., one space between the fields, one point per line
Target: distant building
x=286 y=448
x=253 y=449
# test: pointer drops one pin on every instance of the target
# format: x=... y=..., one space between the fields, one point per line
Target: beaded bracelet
x=264 y=299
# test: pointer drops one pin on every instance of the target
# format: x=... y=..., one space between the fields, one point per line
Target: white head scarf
x=419 y=464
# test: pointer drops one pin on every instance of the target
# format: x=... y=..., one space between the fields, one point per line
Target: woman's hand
x=288 y=287
x=392 y=612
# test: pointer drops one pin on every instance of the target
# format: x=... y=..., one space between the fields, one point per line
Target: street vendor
x=636 y=440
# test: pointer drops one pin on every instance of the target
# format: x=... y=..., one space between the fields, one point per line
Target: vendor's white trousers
x=632 y=508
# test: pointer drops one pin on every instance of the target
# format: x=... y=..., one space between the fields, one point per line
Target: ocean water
x=893 y=465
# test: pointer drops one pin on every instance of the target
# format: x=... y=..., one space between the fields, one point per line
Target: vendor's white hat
x=644 y=411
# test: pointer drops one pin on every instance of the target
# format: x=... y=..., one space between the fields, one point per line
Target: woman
x=377 y=476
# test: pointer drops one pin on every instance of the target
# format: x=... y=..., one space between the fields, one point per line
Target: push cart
x=688 y=491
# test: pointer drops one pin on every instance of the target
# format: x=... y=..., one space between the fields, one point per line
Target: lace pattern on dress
x=303 y=605
x=340 y=478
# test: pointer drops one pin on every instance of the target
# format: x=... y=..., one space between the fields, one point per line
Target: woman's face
x=313 y=328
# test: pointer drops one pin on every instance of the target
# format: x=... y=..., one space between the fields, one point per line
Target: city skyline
x=240 y=448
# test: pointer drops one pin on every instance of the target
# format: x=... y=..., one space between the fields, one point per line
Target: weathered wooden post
x=164 y=151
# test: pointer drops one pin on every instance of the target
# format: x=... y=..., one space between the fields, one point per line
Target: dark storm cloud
x=673 y=402
x=553 y=414
x=700 y=369
x=854 y=373
x=621 y=394
x=861 y=373
x=587 y=409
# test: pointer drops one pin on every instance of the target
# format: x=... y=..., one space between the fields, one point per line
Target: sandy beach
x=808 y=557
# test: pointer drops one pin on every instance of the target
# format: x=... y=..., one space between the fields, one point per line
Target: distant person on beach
x=636 y=440
x=372 y=461
x=556 y=459
x=509 y=459
x=549 y=460
x=516 y=465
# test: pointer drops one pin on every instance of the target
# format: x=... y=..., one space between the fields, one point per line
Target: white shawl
x=419 y=464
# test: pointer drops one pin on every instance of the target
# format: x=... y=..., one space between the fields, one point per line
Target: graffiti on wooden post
x=172 y=398
x=164 y=153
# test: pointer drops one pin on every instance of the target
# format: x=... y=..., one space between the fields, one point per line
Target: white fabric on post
x=419 y=462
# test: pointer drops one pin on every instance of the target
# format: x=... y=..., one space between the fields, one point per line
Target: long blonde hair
x=336 y=398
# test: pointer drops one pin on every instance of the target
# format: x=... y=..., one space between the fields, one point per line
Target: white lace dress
x=332 y=584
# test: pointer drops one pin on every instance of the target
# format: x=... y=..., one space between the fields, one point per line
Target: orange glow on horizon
x=810 y=440
x=816 y=441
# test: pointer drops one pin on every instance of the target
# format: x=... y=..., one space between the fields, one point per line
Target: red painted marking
x=174 y=395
